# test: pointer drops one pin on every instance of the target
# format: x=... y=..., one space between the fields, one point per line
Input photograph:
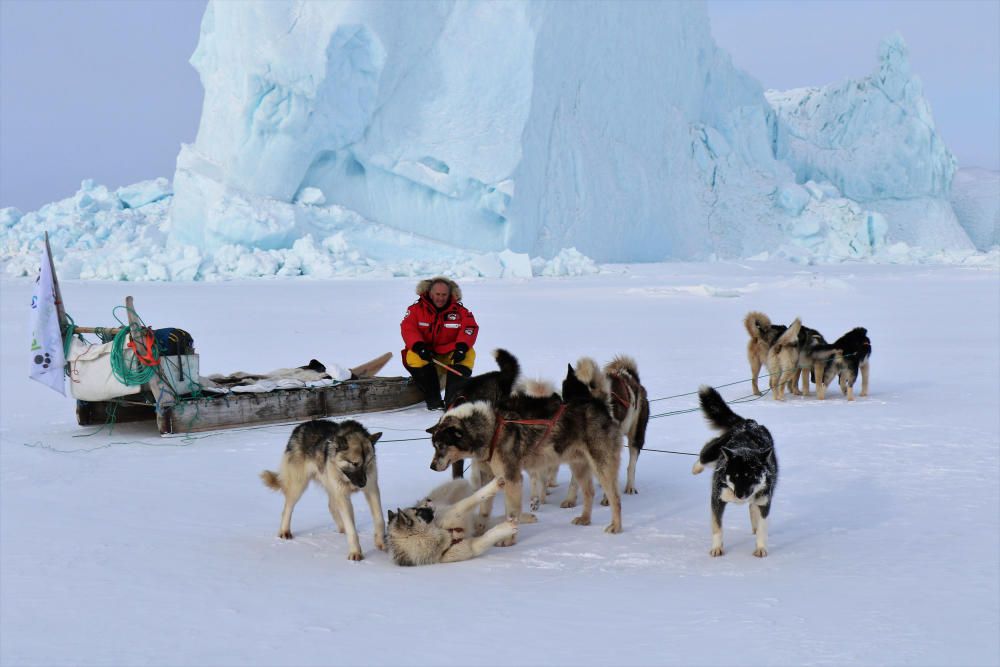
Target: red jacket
x=440 y=330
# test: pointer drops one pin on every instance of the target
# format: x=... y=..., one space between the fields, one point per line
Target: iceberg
x=874 y=140
x=379 y=138
x=975 y=197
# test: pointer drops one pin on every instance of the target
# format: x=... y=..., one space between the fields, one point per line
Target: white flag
x=47 y=356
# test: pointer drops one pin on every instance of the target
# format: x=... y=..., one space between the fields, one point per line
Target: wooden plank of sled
x=285 y=406
x=371 y=368
x=99 y=413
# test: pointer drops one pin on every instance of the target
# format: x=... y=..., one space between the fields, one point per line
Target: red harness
x=501 y=422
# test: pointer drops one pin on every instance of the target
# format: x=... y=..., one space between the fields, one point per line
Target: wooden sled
x=364 y=392
x=211 y=413
x=242 y=410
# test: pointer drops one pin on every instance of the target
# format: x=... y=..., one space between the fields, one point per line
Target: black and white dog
x=746 y=468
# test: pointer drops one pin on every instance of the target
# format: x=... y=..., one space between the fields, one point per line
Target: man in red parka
x=438 y=327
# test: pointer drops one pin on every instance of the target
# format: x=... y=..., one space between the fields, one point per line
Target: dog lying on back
x=746 y=468
x=844 y=358
x=341 y=457
x=439 y=528
x=582 y=434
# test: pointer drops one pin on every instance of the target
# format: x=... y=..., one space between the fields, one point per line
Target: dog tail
x=538 y=388
x=271 y=480
x=756 y=323
x=622 y=364
x=509 y=366
x=589 y=373
x=716 y=411
x=791 y=335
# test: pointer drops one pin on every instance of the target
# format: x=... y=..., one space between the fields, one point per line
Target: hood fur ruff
x=424 y=286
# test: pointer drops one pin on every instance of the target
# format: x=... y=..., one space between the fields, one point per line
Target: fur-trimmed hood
x=424 y=286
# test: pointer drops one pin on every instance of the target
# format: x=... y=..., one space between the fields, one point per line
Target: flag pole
x=57 y=294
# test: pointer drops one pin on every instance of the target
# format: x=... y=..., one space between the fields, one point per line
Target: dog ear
x=391 y=516
x=726 y=453
x=569 y=371
x=434 y=429
x=373 y=438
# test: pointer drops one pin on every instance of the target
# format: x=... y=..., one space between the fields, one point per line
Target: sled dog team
x=507 y=428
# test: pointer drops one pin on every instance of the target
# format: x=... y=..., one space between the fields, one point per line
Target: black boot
x=426 y=378
x=453 y=386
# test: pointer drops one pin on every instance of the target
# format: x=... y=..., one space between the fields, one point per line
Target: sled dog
x=746 y=468
x=783 y=359
x=844 y=357
x=630 y=408
x=762 y=337
x=439 y=528
x=582 y=434
x=341 y=457
x=492 y=387
x=618 y=385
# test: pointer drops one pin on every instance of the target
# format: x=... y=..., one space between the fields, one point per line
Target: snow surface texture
x=975 y=196
x=617 y=128
x=884 y=539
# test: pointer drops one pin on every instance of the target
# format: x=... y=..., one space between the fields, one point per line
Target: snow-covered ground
x=126 y=548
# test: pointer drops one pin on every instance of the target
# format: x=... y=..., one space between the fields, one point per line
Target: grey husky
x=341 y=457
x=746 y=468
x=439 y=528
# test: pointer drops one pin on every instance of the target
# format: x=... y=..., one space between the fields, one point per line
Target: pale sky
x=103 y=89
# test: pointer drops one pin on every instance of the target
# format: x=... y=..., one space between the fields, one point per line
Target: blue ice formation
x=618 y=129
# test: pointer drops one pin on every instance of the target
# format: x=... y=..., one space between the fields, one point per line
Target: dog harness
x=454 y=540
x=501 y=422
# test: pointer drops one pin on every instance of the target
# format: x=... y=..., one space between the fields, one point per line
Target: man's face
x=440 y=293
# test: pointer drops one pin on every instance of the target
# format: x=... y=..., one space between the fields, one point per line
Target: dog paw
x=613 y=528
x=697 y=468
x=285 y=535
x=631 y=490
x=604 y=501
x=715 y=551
x=527 y=518
x=355 y=555
x=507 y=541
x=567 y=504
x=501 y=482
x=581 y=521
x=760 y=552
x=535 y=504
x=380 y=543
